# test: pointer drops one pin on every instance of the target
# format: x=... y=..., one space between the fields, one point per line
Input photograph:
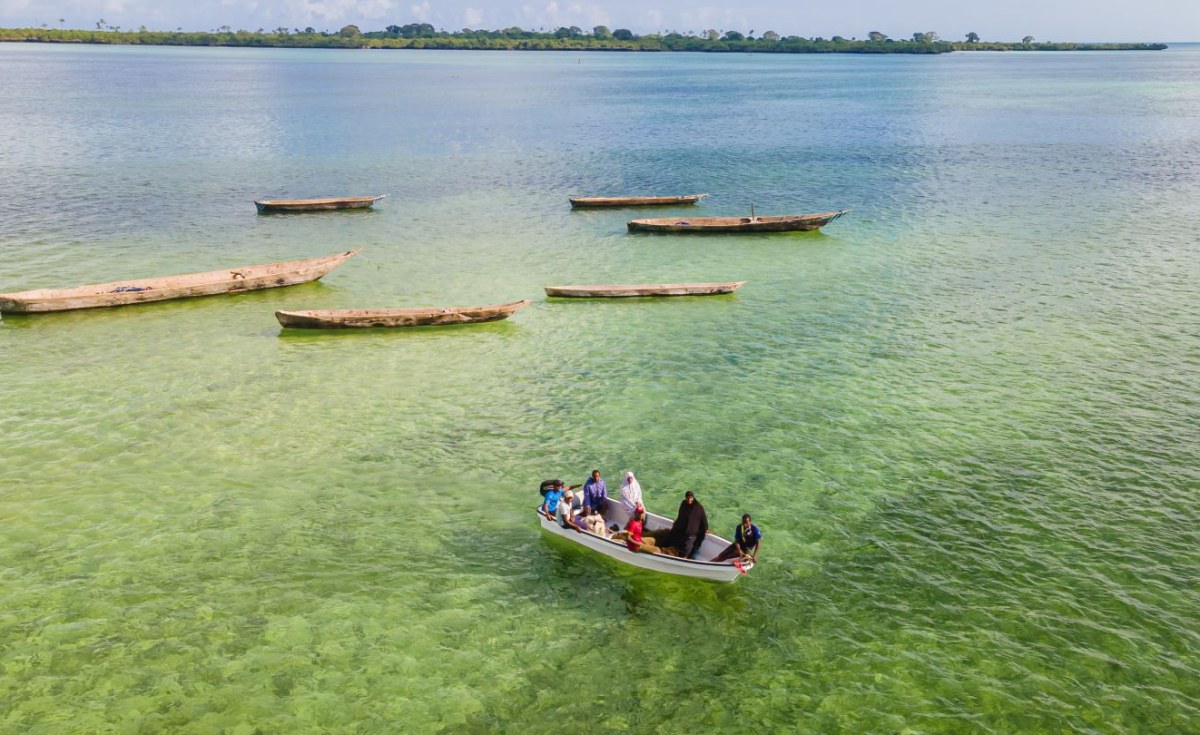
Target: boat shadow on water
x=805 y=235
x=558 y=301
x=322 y=213
x=643 y=591
x=502 y=328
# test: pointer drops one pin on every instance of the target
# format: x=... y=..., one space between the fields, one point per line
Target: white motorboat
x=725 y=571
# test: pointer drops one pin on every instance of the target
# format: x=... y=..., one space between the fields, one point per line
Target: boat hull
x=266 y=206
x=370 y=318
x=666 y=201
x=644 y=290
x=713 y=545
x=165 y=288
x=777 y=223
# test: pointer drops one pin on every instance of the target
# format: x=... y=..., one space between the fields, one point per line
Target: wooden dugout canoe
x=315 y=205
x=365 y=318
x=209 y=283
x=644 y=289
x=775 y=223
x=662 y=201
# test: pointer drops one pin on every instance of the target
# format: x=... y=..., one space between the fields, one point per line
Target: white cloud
x=554 y=15
x=473 y=17
x=531 y=18
x=421 y=12
x=591 y=15
x=707 y=17
x=309 y=12
x=375 y=8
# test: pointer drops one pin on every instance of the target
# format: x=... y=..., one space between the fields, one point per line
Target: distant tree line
x=572 y=38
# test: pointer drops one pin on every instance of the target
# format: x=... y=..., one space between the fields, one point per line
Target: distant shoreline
x=516 y=39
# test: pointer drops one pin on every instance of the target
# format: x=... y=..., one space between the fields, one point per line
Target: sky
x=999 y=20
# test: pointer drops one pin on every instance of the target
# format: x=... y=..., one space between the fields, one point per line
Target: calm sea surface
x=966 y=416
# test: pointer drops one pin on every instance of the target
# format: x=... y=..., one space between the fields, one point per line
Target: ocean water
x=966 y=415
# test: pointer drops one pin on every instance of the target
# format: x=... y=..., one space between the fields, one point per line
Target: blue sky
x=1051 y=20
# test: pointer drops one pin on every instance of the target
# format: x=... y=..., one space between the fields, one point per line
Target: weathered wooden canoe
x=315 y=205
x=776 y=223
x=644 y=289
x=718 y=571
x=583 y=202
x=209 y=283
x=363 y=318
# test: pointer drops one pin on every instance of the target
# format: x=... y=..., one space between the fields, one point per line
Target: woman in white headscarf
x=631 y=493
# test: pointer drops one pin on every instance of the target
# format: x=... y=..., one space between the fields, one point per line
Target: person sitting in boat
x=633 y=530
x=633 y=536
x=747 y=540
x=690 y=527
x=551 y=496
x=565 y=513
x=631 y=492
x=594 y=521
x=595 y=494
x=548 y=485
x=622 y=534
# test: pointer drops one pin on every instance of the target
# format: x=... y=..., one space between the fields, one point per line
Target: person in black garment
x=690 y=527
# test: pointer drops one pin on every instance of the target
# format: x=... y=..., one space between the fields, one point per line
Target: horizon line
x=265 y=31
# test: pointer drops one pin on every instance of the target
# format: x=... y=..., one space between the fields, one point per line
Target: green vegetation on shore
x=423 y=35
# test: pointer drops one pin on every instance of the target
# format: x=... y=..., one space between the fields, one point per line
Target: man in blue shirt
x=595 y=494
x=557 y=487
x=553 y=495
x=747 y=540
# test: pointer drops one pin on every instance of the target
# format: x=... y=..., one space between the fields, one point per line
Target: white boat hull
x=713 y=545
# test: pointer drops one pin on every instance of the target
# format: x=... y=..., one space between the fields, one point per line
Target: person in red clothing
x=633 y=534
x=633 y=530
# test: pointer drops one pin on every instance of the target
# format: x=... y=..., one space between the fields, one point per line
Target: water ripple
x=964 y=415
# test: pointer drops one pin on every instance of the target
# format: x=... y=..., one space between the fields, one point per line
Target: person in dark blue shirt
x=747 y=540
x=595 y=494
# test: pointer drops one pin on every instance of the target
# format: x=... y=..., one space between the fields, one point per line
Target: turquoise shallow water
x=965 y=415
